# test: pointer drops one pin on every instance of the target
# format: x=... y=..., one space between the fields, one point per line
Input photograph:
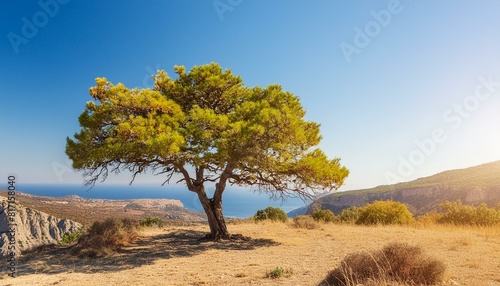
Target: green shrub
x=459 y=214
x=279 y=272
x=305 y=221
x=324 y=216
x=70 y=238
x=349 y=215
x=385 y=213
x=395 y=263
x=271 y=213
x=151 y=221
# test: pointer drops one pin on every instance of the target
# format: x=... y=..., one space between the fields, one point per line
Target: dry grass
x=175 y=256
x=305 y=221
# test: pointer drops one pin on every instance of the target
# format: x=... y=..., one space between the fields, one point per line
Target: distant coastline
x=238 y=202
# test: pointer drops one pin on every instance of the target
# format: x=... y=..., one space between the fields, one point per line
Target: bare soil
x=177 y=256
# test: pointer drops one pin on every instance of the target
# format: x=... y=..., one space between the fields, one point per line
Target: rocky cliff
x=22 y=228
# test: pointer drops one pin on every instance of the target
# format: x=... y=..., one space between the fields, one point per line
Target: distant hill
x=475 y=185
x=86 y=211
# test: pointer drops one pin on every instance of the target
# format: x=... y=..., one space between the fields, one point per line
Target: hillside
x=87 y=211
x=475 y=185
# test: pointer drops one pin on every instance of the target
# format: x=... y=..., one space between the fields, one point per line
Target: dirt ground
x=176 y=256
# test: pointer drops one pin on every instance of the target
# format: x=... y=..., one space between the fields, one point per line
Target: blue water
x=237 y=202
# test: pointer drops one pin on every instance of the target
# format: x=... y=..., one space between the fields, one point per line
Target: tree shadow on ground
x=176 y=243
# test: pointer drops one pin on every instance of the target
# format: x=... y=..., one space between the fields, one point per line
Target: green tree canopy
x=207 y=127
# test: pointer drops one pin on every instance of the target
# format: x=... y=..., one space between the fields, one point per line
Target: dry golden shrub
x=397 y=263
x=105 y=237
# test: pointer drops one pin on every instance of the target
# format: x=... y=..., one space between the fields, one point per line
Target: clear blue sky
x=402 y=89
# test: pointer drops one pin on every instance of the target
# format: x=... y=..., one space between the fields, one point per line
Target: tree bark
x=213 y=209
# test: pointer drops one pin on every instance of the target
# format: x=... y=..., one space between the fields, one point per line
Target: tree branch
x=187 y=178
x=221 y=185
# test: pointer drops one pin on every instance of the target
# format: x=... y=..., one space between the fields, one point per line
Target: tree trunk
x=213 y=209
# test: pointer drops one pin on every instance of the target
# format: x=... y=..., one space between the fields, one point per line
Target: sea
x=237 y=202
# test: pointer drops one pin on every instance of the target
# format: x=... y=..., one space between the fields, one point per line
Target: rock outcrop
x=23 y=228
x=475 y=195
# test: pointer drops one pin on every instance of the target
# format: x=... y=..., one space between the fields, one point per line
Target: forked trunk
x=213 y=209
